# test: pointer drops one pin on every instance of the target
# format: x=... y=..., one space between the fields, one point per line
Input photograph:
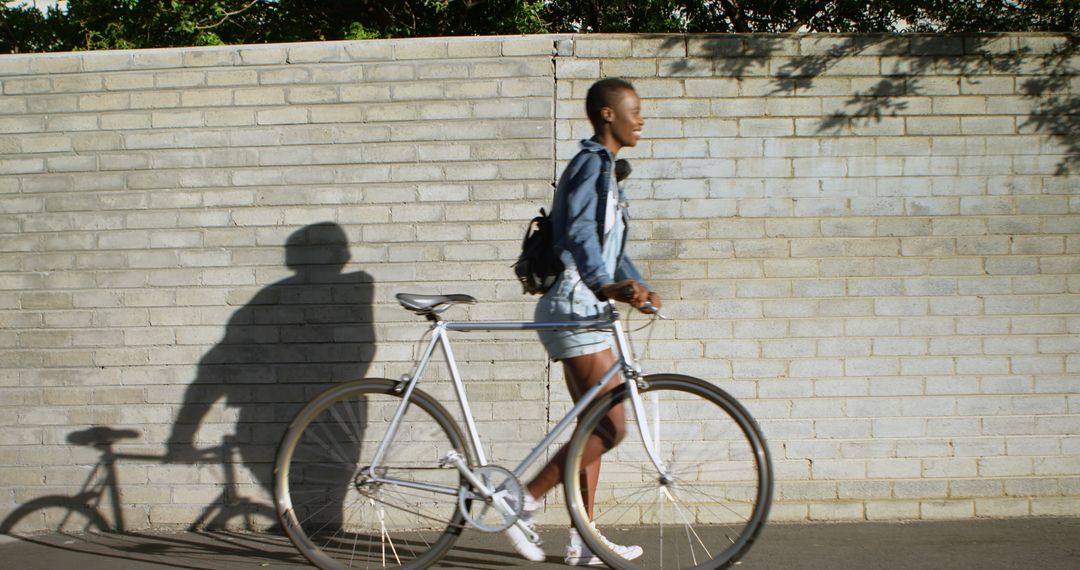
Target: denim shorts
x=570 y=300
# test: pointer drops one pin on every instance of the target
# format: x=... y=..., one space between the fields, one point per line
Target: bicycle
x=80 y=513
x=692 y=484
x=83 y=512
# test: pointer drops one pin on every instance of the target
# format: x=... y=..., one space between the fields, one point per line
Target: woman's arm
x=582 y=238
x=627 y=270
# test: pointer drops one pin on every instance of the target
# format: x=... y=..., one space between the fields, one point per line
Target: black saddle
x=432 y=304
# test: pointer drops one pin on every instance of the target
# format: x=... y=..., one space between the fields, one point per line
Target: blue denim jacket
x=577 y=217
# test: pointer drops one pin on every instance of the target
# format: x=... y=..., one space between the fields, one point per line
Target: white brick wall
x=879 y=275
x=871 y=242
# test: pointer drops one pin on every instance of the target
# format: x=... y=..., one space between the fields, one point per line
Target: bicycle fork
x=650 y=437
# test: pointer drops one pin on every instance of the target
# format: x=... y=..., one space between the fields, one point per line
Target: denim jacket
x=577 y=217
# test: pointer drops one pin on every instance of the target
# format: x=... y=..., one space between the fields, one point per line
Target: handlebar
x=647 y=307
x=650 y=309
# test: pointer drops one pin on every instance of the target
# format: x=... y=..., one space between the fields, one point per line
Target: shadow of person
x=292 y=340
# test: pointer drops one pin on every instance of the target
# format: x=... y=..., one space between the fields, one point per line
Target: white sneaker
x=579 y=554
x=521 y=543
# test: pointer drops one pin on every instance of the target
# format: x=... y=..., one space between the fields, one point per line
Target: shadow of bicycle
x=288 y=342
x=92 y=521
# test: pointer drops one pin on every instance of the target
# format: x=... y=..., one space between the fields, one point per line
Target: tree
x=26 y=29
x=814 y=16
x=133 y=24
x=125 y=24
x=301 y=20
x=114 y=24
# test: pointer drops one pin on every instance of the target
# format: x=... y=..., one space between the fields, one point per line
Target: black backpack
x=539 y=265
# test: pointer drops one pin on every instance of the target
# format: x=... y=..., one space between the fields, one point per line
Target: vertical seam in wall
x=551 y=180
x=554 y=110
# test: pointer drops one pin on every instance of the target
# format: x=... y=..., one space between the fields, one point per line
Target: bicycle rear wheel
x=341 y=516
x=710 y=510
x=67 y=516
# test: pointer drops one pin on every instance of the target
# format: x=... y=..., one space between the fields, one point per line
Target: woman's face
x=624 y=118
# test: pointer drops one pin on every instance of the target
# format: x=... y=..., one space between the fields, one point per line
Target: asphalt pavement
x=1026 y=543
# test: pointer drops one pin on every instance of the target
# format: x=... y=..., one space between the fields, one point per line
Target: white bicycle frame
x=440 y=337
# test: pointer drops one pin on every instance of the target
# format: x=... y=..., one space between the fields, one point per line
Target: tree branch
x=227 y=16
x=735 y=16
x=801 y=20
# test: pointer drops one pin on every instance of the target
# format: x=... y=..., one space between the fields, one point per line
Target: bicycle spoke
x=346 y=424
x=327 y=448
x=713 y=500
x=340 y=453
x=688 y=525
x=409 y=511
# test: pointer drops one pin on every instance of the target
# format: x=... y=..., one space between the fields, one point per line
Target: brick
x=892 y=510
x=16 y=65
x=947 y=510
x=1002 y=508
x=210 y=57
x=842 y=429
x=853 y=66
x=315 y=94
x=933 y=125
x=766 y=127
x=26 y=86
x=577 y=69
x=753 y=107
x=836 y=511
x=263 y=55
x=282 y=116
x=602 y=48
x=711 y=87
x=987 y=125
x=129 y=81
x=1037 y=45
x=628 y=68
x=674 y=46
x=369 y=50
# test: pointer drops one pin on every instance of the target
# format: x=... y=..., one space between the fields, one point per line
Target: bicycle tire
x=37 y=516
x=712 y=511
x=337 y=517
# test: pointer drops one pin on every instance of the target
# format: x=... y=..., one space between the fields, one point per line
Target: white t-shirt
x=612 y=205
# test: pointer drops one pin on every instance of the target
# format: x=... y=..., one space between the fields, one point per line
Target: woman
x=589 y=222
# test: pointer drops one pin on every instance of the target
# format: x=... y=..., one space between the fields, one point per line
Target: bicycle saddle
x=431 y=303
x=100 y=435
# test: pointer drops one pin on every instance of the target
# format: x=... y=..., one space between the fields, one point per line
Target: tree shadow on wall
x=294 y=339
x=1044 y=85
x=1058 y=113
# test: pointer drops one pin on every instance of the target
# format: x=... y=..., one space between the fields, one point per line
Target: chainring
x=483 y=513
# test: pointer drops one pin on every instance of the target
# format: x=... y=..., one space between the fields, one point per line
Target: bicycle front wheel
x=708 y=506
x=339 y=509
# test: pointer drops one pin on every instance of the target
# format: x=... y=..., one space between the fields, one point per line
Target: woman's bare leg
x=582 y=373
x=590 y=475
